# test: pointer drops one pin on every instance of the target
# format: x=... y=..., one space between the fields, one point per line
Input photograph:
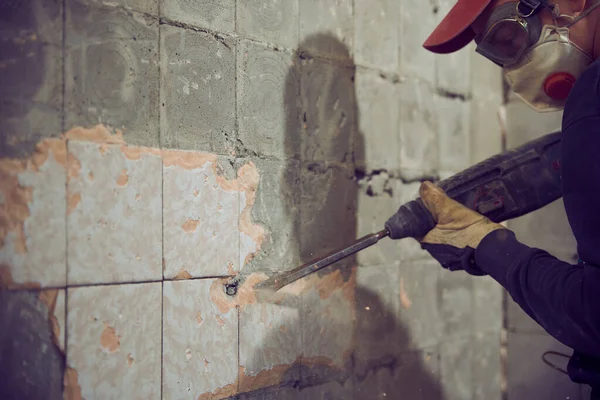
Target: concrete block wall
x=162 y=157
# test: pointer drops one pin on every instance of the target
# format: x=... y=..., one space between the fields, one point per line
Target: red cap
x=454 y=32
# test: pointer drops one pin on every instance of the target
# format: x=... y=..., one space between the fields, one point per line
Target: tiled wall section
x=244 y=136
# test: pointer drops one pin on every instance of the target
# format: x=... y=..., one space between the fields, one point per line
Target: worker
x=547 y=50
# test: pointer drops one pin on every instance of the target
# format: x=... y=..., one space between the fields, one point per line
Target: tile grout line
x=63 y=126
x=239 y=195
x=162 y=211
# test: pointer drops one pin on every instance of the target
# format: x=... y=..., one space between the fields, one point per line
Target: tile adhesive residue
x=16 y=209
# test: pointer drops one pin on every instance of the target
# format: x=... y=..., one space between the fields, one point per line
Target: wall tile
x=201 y=213
x=270 y=343
x=199 y=342
x=114 y=340
x=114 y=213
x=33 y=200
x=197 y=95
x=453 y=133
x=111 y=73
x=455 y=292
x=270 y=21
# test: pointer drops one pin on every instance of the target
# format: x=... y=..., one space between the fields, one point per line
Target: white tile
x=114 y=340
x=32 y=233
x=114 y=213
x=199 y=341
x=200 y=217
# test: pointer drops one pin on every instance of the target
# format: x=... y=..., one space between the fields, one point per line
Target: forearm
x=561 y=297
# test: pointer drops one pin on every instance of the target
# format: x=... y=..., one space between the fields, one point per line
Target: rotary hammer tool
x=505 y=186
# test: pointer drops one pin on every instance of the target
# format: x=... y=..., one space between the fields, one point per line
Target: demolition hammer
x=505 y=186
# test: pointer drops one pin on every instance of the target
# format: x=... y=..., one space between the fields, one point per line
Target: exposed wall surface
x=547 y=229
x=159 y=158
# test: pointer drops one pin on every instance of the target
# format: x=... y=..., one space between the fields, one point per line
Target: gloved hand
x=458 y=231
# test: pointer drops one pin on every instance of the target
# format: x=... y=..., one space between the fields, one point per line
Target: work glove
x=458 y=232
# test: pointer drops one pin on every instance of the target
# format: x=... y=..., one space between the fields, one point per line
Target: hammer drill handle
x=505 y=186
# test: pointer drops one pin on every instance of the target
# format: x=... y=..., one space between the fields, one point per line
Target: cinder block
x=197 y=91
x=487 y=368
x=453 y=71
x=455 y=292
x=31 y=79
x=268 y=85
x=329 y=114
x=372 y=213
x=328 y=211
x=277 y=209
x=418 y=128
x=191 y=366
x=201 y=214
x=112 y=70
x=113 y=214
x=216 y=15
x=326 y=28
x=529 y=377
x=456 y=358
x=377 y=22
x=419 y=283
x=33 y=202
x=487 y=96
x=270 y=21
x=116 y=330
x=417 y=21
x=487 y=305
x=524 y=124
x=413 y=375
x=377 y=146
x=145 y=6
x=453 y=133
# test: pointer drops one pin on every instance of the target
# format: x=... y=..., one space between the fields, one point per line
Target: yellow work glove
x=458 y=231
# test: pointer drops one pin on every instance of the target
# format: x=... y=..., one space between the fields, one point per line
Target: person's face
x=580 y=33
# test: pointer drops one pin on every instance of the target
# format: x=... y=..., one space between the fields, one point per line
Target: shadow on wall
x=29 y=57
x=325 y=135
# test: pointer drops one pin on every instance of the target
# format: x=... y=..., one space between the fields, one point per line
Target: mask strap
x=584 y=14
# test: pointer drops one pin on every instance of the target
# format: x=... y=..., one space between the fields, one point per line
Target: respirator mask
x=540 y=62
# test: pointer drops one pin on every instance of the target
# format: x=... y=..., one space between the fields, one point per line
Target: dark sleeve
x=563 y=298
